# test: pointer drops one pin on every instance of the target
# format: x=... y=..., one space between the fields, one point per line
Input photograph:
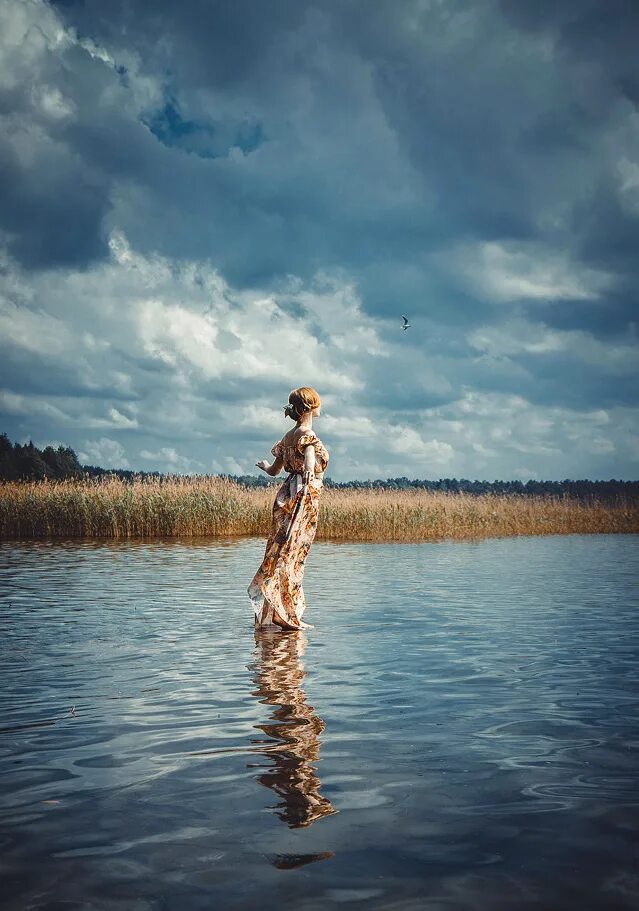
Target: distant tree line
x=27 y=463
x=582 y=489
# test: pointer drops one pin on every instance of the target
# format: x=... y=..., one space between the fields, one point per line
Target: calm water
x=460 y=731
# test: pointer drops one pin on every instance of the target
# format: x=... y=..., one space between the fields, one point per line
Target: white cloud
x=524 y=474
x=168 y=459
x=500 y=428
x=104 y=452
x=34 y=330
x=508 y=272
x=34 y=41
x=409 y=443
x=259 y=417
x=29 y=29
x=156 y=349
x=519 y=336
x=68 y=412
x=52 y=103
x=389 y=449
x=31 y=406
x=187 y=317
x=141 y=338
x=121 y=420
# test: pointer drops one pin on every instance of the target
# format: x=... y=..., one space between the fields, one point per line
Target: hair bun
x=304 y=399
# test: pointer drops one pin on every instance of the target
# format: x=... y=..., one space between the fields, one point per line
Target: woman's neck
x=306 y=422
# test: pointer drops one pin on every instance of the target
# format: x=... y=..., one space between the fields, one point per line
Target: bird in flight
x=406 y=324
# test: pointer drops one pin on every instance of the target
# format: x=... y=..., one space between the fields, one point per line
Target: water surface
x=459 y=731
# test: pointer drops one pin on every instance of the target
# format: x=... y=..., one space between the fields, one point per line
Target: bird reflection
x=293 y=730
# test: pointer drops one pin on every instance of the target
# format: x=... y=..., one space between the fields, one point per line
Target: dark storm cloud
x=313 y=198
x=605 y=33
x=606 y=322
x=60 y=222
x=41 y=375
x=558 y=381
x=601 y=39
x=493 y=130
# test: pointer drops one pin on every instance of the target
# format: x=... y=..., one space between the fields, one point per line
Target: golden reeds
x=177 y=506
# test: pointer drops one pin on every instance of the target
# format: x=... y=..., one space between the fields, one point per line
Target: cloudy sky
x=208 y=203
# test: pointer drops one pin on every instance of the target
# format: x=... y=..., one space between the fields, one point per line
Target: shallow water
x=459 y=731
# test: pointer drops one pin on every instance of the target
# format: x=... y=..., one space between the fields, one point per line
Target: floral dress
x=276 y=587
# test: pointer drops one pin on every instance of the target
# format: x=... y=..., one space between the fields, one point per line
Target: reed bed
x=177 y=506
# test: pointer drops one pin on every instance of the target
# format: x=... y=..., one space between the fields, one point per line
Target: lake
x=459 y=731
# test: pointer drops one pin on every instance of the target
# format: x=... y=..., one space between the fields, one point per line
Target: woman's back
x=291 y=450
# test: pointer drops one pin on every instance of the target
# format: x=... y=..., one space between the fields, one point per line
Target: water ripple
x=461 y=729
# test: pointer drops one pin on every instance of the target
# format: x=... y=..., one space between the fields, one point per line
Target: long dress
x=276 y=588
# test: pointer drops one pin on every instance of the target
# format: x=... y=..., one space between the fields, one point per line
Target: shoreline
x=197 y=540
x=215 y=508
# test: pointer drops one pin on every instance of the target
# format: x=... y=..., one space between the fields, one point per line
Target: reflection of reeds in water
x=191 y=506
x=294 y=729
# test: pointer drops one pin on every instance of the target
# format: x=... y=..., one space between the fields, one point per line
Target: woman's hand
x=263 y=464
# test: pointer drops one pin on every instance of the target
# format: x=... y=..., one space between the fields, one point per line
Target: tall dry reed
x=179 y=506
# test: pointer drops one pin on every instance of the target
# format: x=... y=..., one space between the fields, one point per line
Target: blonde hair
x=301 y=400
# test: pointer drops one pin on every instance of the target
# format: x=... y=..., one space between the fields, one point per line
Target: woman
x=276 y=589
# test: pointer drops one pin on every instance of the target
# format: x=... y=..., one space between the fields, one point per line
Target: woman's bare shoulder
x=298 y=432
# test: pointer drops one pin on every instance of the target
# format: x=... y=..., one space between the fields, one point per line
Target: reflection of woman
x=276 y=588
x=293 y=731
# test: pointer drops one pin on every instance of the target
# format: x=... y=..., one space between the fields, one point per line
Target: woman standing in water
x=276 y=589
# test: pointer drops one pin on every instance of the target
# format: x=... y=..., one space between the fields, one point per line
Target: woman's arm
x=273 y=469
x=309 y=464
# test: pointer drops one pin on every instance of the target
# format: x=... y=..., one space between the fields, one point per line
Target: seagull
x=406 y=323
